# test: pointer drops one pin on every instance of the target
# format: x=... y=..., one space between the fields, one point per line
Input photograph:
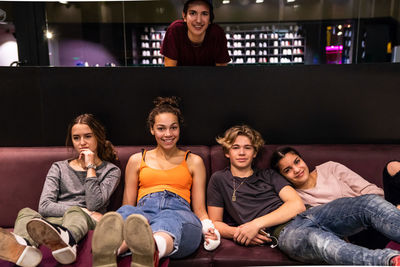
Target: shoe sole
x=45 y=234
x=106 y=240
x=139 y=238
x=12 y=251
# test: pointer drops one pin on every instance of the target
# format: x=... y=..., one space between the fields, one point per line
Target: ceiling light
x=226 y=2
x=259 y=1
x=290 y=1
x=49 y=35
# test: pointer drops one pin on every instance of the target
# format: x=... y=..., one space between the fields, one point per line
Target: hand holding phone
x=274 y=240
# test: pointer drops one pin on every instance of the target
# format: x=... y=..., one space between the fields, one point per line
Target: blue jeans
x=169 y=213
x=316 y=235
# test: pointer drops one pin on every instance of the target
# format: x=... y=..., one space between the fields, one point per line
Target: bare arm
x=292 y=206
x=168 y=62
x=216 y=215
x=226 y=231
x=131 y=180
x=198 y=171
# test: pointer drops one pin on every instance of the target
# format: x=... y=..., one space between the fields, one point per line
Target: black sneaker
x=56 y=237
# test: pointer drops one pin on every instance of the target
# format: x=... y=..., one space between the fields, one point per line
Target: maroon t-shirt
x=177 y=46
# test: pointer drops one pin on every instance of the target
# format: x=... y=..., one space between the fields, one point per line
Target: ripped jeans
x=167 y=212
x=316 y=235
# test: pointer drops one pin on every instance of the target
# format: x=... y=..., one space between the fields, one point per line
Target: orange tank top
x=177 y=180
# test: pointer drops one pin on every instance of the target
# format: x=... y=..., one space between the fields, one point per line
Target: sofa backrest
x=23 y=172
x=22 y=175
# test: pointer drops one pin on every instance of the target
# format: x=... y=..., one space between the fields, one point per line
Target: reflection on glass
x=129 y=33
x=265 y=43
x=8 y=43
x=339 y=44
x=86 y=34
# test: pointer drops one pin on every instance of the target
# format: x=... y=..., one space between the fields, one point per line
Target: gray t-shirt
x=65 y=187
x=256 y=197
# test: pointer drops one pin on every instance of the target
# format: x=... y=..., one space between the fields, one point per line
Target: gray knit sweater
x=65 y=187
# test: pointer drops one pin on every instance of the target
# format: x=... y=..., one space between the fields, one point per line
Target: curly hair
x=232 y=133
x=165 y=105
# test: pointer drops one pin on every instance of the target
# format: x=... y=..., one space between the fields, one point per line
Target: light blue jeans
x=170 y=213
x=316 y=235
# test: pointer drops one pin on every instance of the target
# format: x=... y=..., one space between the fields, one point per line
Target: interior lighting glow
x=334 y=48
x=259 y=1
x=49 y=35
x=225 y=2
x=339 y=33
x=291 y=1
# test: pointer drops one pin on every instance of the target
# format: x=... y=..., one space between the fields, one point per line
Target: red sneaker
x=395 y=261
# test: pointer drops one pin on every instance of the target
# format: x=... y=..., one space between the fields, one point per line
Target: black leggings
x=391 y=186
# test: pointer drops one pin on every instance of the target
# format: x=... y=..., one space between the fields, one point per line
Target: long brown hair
x=105 y=149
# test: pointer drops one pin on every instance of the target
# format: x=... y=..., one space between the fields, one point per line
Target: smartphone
x=274 y=241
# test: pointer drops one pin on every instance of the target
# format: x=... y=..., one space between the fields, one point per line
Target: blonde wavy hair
x=232 y=133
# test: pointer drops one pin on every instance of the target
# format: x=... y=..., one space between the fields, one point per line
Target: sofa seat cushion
x=83 y=259
x=231 y=254
x=393 y=245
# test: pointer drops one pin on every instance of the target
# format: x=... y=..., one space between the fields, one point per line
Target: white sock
x=161 y=245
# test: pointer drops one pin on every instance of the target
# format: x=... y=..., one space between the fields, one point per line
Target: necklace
x=236 y=188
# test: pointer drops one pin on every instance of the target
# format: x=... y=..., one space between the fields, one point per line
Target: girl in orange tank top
x=177 y=180
x=160 y=185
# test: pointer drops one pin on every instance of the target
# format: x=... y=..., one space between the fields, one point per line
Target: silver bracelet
x=91 y=166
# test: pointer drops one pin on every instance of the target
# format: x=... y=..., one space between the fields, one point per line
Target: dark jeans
x=391 y=186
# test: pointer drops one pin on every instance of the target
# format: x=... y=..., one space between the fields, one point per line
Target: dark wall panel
x=20 y=107
x=287 y=104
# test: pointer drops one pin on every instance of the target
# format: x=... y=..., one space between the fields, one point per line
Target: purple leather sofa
x=23 y=171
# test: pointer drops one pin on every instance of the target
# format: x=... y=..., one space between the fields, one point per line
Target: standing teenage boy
x=195 y=40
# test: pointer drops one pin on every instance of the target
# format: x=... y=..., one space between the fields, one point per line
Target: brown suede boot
x=139 y=238
x=107 y=238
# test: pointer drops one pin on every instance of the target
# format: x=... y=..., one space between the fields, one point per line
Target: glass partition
x=260 y=32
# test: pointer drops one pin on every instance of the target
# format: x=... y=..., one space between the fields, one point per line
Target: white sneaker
x=16 y=249
x=56 y=237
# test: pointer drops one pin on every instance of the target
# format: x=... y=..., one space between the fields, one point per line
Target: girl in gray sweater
x=76 y=193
